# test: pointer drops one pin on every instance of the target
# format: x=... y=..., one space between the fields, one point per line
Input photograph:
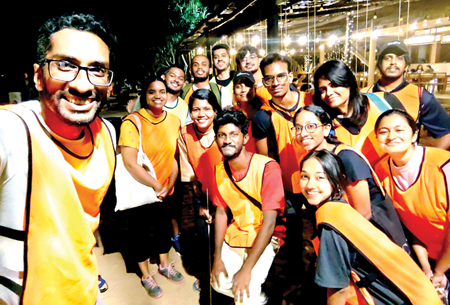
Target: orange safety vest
x=365 y=141
x=423 y=207
x=247 y=218
x=159 y=142
x=409 y=96
x=62 y=213
x=289 y=151
x=263 y=95
x=203 y=159
x=394 y=263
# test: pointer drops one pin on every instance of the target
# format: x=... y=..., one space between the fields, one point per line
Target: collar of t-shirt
x=224 y=82
x=405 y=176
x=377 y=87
x=172 y=104
x=195 y=88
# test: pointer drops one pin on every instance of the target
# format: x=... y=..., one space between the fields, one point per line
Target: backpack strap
x=185 y=90
x=216 y=90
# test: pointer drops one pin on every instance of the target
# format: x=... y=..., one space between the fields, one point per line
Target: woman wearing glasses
x=364 y=192
x=353 y=113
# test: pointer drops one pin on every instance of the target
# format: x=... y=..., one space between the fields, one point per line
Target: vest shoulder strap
x=216 y=90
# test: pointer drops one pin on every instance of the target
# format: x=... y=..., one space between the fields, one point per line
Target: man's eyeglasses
x=248 y=57
x=310 y=128
x=281 y=79
x=66 y=71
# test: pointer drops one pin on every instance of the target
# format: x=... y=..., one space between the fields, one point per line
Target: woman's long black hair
x=340 y=75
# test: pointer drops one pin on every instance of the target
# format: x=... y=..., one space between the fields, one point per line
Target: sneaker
x=152 y=288
x=196 y=285
x=176 y=243
x=171 y=274
x=102 y=285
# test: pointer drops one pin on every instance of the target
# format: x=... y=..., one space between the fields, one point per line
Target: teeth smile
x=79 y=102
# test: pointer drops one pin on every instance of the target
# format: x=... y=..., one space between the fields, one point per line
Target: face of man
x=174 y=80
x=200 y=68
x=230 y=140
x=76 y=102
x=392 y=66
x=221 y=60
x=250 y=63
x=278 y=75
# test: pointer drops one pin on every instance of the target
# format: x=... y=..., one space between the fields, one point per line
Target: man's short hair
x=275 y=57
x=221 y=46
x=236 y=118
x=76 y=21
x=192 y=61
x=243 y=51
x=166 y=70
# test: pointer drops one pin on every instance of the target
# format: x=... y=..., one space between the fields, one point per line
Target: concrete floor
x=126 y=289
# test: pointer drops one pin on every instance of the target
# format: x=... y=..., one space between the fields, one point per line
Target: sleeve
x=357 y=169
x=14 y=171
x=217 y=198
x=334 y=260
x=187 y=173
x=272 y=191
x=433 y=116
x=129 y=135
x=261 y=124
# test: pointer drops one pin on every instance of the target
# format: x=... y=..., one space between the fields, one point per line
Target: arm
x=422 y=255
x=221 y=228
x=443 y=263
x=241 y=279
x=444 y=142
x=337 y=296
x=173 y=177
x=129 y=156
x=359 y=197
x=261 y=146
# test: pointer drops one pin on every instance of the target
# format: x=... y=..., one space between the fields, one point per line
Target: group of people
x=339 y=169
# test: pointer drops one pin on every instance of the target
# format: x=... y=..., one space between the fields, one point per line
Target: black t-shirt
x=337 y=258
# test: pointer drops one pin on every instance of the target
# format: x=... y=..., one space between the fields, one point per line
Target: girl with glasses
x=363 y=190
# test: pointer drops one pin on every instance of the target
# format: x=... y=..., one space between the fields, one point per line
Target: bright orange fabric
x=423 y=207
x=387 y=257
x=263 y=95
x=366 y=141
x=247 y=218
x=289 y=151
x=202 y=159
x=66 y=193
x=408 y=96
x=159 y=138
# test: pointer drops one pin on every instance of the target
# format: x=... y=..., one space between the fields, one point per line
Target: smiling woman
x=417 y=178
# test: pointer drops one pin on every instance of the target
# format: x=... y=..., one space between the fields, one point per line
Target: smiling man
x=56 y=163
x=175 y=81
x=398 y=93
x=201 y=69
x=250 y=185
x=222 y=60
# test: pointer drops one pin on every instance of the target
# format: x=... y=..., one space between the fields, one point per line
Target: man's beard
x=172 y=91
x=78 y=118
x=200 y=79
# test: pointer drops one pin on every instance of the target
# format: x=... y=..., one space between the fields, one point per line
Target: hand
x=204 y=212
x=439 y=281
x=162 y=193
x=241 y=281
x=217 y=269
x=428 y=272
